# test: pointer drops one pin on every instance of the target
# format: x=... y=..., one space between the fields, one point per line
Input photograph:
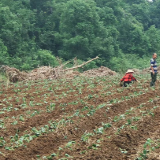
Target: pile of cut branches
x=99 y=72
x=44 y=72
x=14 y=74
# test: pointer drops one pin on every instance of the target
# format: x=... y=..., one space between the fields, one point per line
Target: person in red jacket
x=128 y=78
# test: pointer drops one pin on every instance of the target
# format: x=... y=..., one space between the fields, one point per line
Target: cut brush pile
x=44 y=72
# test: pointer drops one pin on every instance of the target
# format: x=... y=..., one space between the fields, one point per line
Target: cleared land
x=82 y=118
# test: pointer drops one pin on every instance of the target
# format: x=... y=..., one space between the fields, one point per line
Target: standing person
x=153 y=69
x=128 y=78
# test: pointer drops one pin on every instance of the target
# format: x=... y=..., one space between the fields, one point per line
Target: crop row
x=89 y=137
x=91 y=111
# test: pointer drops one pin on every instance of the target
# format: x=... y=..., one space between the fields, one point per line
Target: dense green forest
x=123 y=33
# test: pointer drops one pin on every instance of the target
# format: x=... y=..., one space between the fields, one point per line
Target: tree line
x=123 y=33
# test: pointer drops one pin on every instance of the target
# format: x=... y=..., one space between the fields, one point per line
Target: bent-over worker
x=128 y=78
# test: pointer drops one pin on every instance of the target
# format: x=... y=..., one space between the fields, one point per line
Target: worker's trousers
x=154 y=78
x=125 y=84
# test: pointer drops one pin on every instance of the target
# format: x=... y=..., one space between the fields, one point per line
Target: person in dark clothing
x=153 y=69
x=128 y=78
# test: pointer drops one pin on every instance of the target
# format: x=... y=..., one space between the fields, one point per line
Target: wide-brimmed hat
x=130 y=71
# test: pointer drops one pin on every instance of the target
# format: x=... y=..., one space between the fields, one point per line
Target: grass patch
x=3 y=78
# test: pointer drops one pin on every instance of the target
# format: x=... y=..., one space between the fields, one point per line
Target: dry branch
x=62 y=65
x=79 y=66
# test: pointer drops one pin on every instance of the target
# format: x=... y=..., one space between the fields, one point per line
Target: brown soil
x=127 y=139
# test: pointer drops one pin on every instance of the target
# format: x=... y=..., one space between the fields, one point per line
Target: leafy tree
x=141 y=11
x=33 y=32
x=84 y=35
x=46 y=58
x=154 y=13
x=132 y=38
x=4 y=56
x=153 y=36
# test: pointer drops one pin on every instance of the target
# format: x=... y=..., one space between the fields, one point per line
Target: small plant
x=107 y=125
x=123 y=151
x=99 y=130
x=51 y=107
x=2 y=142
x=85 y=137
x=69 y=144
x=143 y=155
x=94 y=146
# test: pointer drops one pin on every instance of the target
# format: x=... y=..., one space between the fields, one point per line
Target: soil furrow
x=88 y=124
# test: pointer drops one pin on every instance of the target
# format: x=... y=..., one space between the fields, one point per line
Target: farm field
x=83 y=118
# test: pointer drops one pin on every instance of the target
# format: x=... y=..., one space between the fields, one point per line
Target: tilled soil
x=82 y=101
